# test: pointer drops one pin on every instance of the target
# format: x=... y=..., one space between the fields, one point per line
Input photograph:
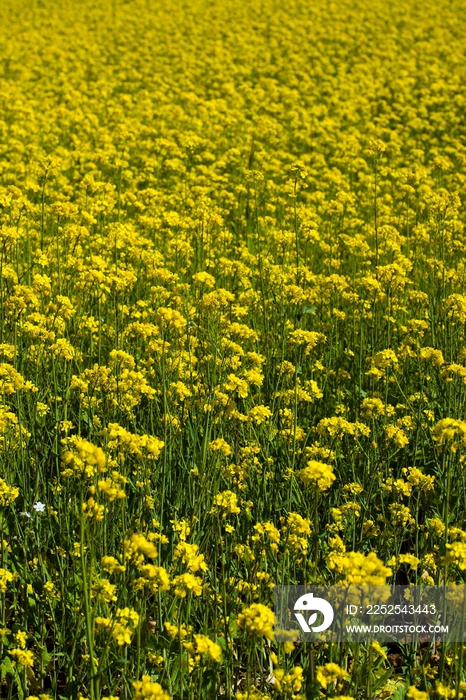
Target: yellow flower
x=404 y=559
x=455 y=306
x=148 y=690
x=396 y=435
x=155 y=577
x=270 y=531
x=50 y=590
x=310 y=339
x=5 y=578
x=187 y=583
x=384 y=359
x=359 y=569
x=12 y=381
x=443 y=691
x=112 y=565
x=103 y=622
x=63 y=348
x=297 y=530
x=456 y=554
x=181 y=527
x=137 y=547
x=289 y=682
x=236 y=384
x=21 y=638
x=375 y=407
x=155 y=659
x=451 y=431
x=121 y=633
x=126 y=621
x=111 y=488
x=103 y=590
x=170 y=318
x=252 y=694
x=219 y=445
x=225 y=503
x=205 y=647
x=415 y=694
x=436 y=526
x=83 y=459
x=259 y=414
x=8 y=494
x=434 y=357
x=42 y=409
x=176 y=631
x=93 y=510
x=339 y=427
x=401 y=515
x=328 y=674
x=23 y=657
x=379 y=649
x=189 y=554
x=203 y=278
x=420 y=481
x=257 y=619
x=318 y=474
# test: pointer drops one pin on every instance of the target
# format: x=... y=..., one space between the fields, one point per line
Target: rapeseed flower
x=148 y=690
x=330 y=673
x=203 y=646
x=8 y=494
x=231 y=252
x=257 y=619
x=318 y=474
x=359 y=569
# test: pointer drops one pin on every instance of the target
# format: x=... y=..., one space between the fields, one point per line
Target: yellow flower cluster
x=232 y=305
x=203 y=646
x=456 y=554
x=83 y=459
x=257 y=619
x=8 y=494
x=148 y=690
x=225 y=503
x=450 y=431
x=359 y=569
x=6 y=577
x=23 y=657
x=137 y=547
x=289 y=682
x=330 y=673
x=317 y=474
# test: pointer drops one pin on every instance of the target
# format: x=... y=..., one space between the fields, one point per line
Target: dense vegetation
x=233 y=354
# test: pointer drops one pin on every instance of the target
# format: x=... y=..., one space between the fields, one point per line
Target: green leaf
x=19 y=689
x=7 y=667
x=222 y=643
x=383 y=679
x=308 y=309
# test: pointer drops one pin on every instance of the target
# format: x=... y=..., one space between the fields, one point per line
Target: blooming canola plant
x=232 y=340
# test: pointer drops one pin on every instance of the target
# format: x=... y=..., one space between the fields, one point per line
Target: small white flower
x=26 y=515
x=39 y=507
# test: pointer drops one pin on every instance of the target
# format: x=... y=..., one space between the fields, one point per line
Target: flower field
x=232 y=340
